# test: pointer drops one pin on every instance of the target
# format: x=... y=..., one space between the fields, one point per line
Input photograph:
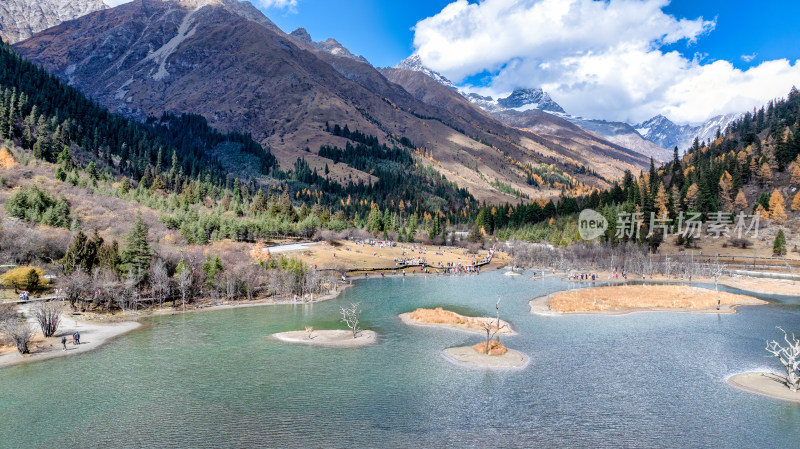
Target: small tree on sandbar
x=351 y=316
x=492 y=328
x=789 y=357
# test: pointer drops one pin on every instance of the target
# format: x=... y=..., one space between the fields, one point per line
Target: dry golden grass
x=347 y=254
x=495 y=348
x=441 y=316
x=643 y=297
x=6 y=158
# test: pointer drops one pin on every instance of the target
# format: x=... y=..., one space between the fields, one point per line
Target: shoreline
x=466 y=357
x=406 y=319
x=764 y=383
x=93 y=336
x=328 y=338
x=541 y=306
x=784 y=288
x=111 y=326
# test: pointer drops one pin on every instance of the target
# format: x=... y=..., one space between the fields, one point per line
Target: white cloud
x=749 y=58
x=290 y=5
x=596 y=58
x=113 y=3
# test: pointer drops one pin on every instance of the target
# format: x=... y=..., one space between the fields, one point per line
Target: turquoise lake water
x=214 y=379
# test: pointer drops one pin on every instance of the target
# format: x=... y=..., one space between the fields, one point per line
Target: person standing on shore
x=64 y=342
x=78 y=337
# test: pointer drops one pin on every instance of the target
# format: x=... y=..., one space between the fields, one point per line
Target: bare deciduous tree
x=20 y=332
x=716 y=269
x=789 y=357
x=74 y=285
x=185 y=280
x=491 y=328
x=351 y=316
x=48 y=315
x=159 y=281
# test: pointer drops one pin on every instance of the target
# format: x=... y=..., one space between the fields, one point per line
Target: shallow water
x=214 y=379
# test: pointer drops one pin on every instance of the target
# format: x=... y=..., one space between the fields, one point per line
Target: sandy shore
x=618 y=300
x=468 y=357
x=93 y=336
x=466 y=326
x=764 y=286
x=329 y=338
x=767 y=384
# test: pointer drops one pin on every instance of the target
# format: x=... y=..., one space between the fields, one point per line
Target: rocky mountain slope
x=524 y=100
x=224 y=60
x=329 y=45
x=667 y=134
x=20 y=19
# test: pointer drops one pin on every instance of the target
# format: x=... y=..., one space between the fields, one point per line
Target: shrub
x=24 y=278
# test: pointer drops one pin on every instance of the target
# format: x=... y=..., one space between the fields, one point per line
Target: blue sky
x=612 y=59
x=382 y=31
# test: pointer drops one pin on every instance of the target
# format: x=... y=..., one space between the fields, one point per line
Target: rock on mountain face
x=667 y=134
x=20 y=19
x=330 y=45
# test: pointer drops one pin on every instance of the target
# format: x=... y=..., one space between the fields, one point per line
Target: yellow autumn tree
x=725 y=188
x=691 y=196
x=796 y=202
x=765 y=174
x=777 y=210
x=662 y=200
x=796 y=175
x=761 y=211
x=740 y=203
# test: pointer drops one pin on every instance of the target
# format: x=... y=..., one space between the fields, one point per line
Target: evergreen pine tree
x=137 y=254
x=779 y=244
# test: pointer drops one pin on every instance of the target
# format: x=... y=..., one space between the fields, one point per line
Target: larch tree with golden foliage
x=765 y=174
x=740 y=203
x=795 y=181
x=761 y=211
x=796 y=202
x=777 y=210
x=691 y=196
x=662 y=200
x=725 y=189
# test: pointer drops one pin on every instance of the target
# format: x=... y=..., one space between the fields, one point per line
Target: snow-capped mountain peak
x=524 y=99
x=666 y=134
x=414 y=63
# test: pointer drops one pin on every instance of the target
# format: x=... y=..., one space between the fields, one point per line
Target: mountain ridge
x=20 y=19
